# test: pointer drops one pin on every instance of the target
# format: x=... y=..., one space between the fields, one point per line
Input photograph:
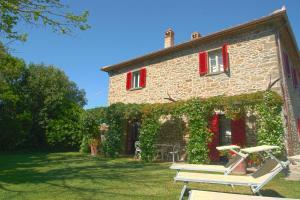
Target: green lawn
x=67 y=176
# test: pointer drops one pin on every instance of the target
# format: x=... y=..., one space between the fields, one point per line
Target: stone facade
x=291 y=99
x=252 y=58
x=254 y=62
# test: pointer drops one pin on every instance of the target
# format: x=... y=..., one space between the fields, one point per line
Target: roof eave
x=228 y=31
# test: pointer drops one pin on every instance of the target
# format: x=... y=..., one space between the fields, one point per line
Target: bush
x=85 y=145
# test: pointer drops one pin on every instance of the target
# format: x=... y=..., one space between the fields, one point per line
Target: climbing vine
x=269 y=122
x=266 y=105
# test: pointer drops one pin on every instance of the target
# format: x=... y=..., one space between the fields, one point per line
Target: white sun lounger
x=255 y=181
x=227 y=169
x=201 y=195
x=231 y=165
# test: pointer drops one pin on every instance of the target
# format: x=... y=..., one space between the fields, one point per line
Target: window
x=135 y=79
x=215 y=61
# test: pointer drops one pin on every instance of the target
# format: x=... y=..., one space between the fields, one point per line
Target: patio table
x=163 y=149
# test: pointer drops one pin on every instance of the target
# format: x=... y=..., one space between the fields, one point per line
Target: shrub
x=85 y=145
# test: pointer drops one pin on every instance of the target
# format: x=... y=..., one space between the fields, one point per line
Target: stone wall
x=292 y=99
x=252 y=57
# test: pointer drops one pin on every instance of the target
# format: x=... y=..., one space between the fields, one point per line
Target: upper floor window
x=215 y=61
x=136 y=79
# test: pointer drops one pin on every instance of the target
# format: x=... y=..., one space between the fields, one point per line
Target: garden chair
x=138 y=150
x=162 y=150
x=198 y=195
x=255 y=181
x=175 y=152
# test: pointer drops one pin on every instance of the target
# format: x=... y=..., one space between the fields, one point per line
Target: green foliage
x=115 y=117
x=65 y=132
x=198 y=113
x=51 y=13
x=85 y=145
x=90 y=125
x=39 y=107
x=269 y=122
x=15 y=118
x=149 y=130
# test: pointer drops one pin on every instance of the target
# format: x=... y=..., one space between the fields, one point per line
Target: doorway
x=133 y=132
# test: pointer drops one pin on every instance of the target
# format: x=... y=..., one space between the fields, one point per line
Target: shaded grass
x=61 y=176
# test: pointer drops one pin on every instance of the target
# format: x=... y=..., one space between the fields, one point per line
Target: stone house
x=241 y=59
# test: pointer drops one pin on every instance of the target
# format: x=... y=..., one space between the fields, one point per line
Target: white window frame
x=220 y=66
x=135 y=74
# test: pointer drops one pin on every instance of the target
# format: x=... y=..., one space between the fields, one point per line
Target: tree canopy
x=39 y=106
x=51 y=13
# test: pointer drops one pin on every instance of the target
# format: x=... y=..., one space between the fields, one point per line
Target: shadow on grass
x=270 y=193
x=41 y=168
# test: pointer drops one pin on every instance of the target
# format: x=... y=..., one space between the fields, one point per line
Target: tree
x=15 y=119
x=39 y=107
x=50 y=13
x=54 y=100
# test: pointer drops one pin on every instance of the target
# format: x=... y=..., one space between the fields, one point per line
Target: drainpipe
x=285 y=112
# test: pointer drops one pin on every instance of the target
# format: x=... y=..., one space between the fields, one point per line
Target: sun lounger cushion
x=216 y=178
x=259 y=149
x=209 y=168
x=196 y=167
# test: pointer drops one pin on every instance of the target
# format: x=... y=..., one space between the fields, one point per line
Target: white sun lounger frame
x=210 y=168
x=198 y=195
x=255 y=188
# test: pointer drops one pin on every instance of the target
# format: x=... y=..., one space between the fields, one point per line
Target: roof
x=276 y=15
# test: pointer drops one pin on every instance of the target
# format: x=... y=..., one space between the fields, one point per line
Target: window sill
x=215 y=73
x=132 y=89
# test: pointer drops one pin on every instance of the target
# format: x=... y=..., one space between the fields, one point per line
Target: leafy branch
x=51 y=13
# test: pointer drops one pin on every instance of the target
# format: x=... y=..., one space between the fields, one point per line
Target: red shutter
x=299 y=127
x=295 y=78
x=128 y=80
x=143 y=73
x=225 y=58
x=214 y=129
x=238 y=132
x=286 y=64
x=203 y=63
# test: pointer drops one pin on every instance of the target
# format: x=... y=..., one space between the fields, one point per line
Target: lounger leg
x=255 y=190
x=183 y=191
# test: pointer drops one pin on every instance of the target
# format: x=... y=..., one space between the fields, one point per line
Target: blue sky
x=123 y=30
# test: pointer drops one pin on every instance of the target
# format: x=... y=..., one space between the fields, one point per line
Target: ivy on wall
x=266 y=105
x=269 y=122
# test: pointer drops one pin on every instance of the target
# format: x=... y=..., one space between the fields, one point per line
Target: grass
x=64 y=176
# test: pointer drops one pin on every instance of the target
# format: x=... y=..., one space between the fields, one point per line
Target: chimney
x=169 y=38
x=195 y=35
